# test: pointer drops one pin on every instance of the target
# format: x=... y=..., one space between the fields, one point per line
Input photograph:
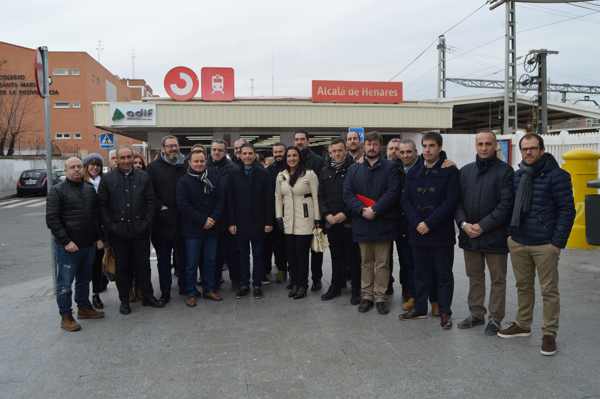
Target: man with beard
x=371 y=191
x=227 y=251
x=542 y=218
x=164 y=173
x=127 y=205
x=344 y=252
x=274 y=241
x=354 y=146
x=315 y=163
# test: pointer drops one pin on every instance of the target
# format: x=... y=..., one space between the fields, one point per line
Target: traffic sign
x=358 y=130
x=107 y=141
x=41 y=75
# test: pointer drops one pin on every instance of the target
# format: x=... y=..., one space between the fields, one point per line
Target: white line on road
x=9 y=202
x=42 y=202
x=19 y=204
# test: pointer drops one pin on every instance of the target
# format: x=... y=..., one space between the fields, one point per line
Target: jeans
x=258 y=265
x=433 y=265
x=167 y=250
x=73 y=266
x=195 y=249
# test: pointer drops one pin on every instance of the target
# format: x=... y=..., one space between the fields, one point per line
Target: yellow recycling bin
x=582 y=165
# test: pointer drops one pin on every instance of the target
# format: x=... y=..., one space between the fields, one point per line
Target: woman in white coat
x=297 y=213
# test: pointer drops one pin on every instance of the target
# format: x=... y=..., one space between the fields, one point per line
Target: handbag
x=109 y=264
x=319 y=241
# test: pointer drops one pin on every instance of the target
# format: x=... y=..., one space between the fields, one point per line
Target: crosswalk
x=22 y=203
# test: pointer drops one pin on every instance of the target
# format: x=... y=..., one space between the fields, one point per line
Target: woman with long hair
x=139 y=162
x=92 y=174
x=297 y=213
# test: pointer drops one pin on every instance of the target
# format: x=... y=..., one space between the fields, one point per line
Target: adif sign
x=218 y=84
x=133 y=114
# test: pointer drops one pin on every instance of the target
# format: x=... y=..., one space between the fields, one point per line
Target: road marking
x=19 y=204
x=9 y=202
x=42 y=202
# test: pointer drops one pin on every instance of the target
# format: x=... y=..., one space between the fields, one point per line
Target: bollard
x=582 y=165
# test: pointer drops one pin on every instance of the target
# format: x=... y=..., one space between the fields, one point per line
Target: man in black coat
x=371 y=192
x=274 y=241
x=227 y=249
x=72 y=216
x=164 y=173
x=127 y=205
x=251 y=216
x=430 y=199
x=541 y=221
x=482 y=216
x=345 y=253
x=315 y=163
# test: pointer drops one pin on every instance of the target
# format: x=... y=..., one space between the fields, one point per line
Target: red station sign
x=218 y=84
x=341 y=91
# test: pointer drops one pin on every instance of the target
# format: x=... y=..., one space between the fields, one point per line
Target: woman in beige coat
x=297 y=213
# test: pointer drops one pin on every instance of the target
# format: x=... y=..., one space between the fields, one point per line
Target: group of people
x=204 y=212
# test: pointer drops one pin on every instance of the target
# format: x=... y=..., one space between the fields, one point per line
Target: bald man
x=72 y=216
x=127 y=206
x=483 y=215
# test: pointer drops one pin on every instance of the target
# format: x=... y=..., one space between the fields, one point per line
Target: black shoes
x=165 y=298
x=316 y=286
x=445 y=321
x=243 y=291
x=471 y=322
x=257 y=293
x=301 y=293
x=355 y=300
x=330 y=294
x=152 y=302
x=492 y=328
x=97 y=302
x=412 y=315
x=293 y=291
x=383 y=307
x=124 y=308
x=365 y=305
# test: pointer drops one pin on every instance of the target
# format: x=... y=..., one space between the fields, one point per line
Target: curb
x=4 y=196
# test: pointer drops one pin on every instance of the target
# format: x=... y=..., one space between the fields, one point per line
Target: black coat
x=313 y=161
x=273 y=170
x=127 y=204
x=380 y=183
x=431 y=196
x=331 y=190
x=552 y=213
x=221 y=171
x=72 y=213
x=195 y=205
x=486 y=198
x=252 y=203
x=164 y=178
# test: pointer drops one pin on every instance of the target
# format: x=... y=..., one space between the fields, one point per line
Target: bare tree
x=14 y=109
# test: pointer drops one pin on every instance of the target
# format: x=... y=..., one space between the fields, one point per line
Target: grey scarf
x=525 y=190
x=179 y=160
x=203 y=177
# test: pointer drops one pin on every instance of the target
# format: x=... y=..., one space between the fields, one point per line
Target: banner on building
x=341 y=91
x=133 y=114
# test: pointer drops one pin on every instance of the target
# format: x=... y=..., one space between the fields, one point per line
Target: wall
x=11 y=168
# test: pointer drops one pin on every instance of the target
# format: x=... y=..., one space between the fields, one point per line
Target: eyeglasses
x=171 y=145
x=528 y=149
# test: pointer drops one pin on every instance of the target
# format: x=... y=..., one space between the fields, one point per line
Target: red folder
x=368 y=202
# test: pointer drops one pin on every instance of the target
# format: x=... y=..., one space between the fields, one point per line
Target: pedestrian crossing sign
x=107 y=140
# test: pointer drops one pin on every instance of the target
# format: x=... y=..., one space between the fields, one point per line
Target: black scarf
x=203 y=177
x=483 y=165
x=525 y=190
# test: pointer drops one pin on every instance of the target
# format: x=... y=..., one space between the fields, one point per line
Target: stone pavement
x=280 y=348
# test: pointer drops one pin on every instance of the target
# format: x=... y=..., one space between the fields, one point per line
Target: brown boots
x=89 y=313
x=68 y=323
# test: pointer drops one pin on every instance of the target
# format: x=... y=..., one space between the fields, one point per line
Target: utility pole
x=441 y=79
x=510 y=74
x=541 y=57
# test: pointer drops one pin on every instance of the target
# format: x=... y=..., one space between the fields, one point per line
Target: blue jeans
x=73 y=266
x=205 y=247
x=258 y=261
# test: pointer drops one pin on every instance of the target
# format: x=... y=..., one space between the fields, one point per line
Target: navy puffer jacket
x=552 y=211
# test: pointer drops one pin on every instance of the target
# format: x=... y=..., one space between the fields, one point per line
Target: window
x=76 y=105
x=62 y=104
x=63 y=136
x=77 y=136
x=60 y=72
x=74 y=72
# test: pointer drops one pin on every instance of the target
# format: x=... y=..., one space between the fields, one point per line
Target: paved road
x=277 y=347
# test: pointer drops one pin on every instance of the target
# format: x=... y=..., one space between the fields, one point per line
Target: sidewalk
x=282 y=348
x=7 y=194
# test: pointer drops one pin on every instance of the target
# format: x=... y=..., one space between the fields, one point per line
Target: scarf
x=525 y=190
x=483 y=165
x=203 y=177
x=179 y=160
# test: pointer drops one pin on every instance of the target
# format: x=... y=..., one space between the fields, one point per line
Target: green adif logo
x=118 y=115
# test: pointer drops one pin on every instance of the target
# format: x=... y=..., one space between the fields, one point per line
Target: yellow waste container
x=582 y=165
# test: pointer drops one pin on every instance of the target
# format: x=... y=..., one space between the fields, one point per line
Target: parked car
x=35 y=181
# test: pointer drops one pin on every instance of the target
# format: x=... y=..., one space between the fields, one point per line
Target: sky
x=283 y=45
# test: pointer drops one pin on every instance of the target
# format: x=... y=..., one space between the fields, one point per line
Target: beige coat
x=298 y=205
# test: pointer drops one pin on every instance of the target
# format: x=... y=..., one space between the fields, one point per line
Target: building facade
x=77 y=81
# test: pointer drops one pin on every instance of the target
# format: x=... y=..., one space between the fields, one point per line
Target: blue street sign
x=360 y=131
x=107 y=141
